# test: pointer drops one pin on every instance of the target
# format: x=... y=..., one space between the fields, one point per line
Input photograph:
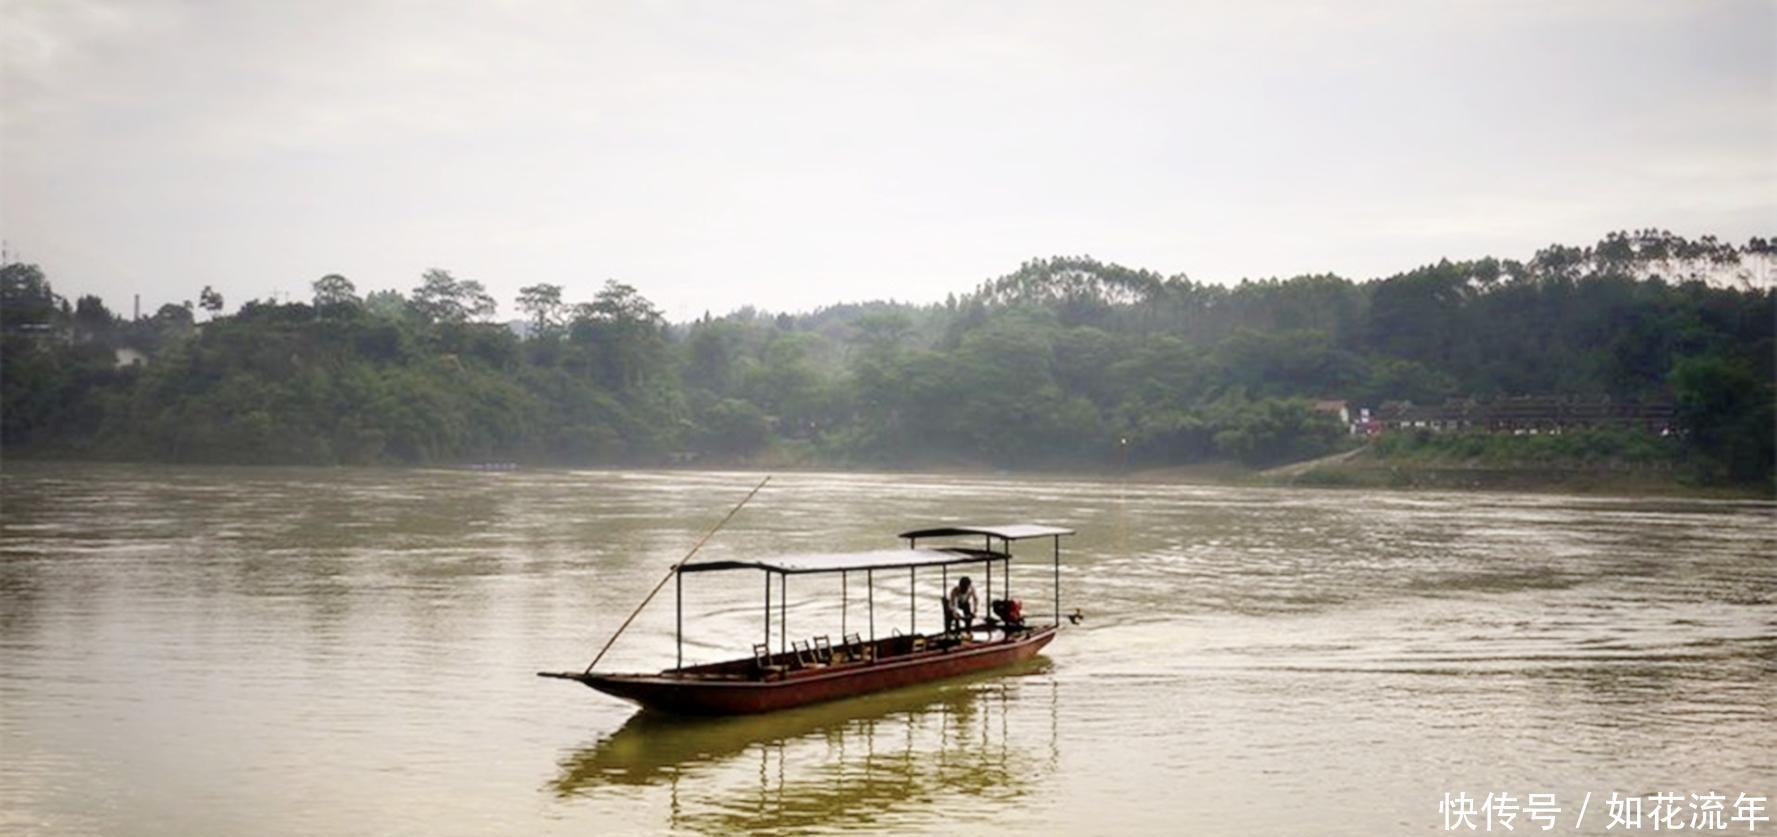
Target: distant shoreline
x=1593 y=481
x=1344 y=471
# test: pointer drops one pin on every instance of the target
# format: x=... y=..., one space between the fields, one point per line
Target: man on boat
x=959 y=606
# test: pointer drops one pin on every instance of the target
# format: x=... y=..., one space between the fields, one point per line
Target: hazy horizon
x=800 y=156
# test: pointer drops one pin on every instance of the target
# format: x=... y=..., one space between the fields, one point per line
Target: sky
x=790 y=155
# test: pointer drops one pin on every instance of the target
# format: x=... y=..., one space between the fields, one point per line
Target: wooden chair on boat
x=914 y=644
x=762 y=661
x=854 y=648
x=823 y=649
x=805 y=656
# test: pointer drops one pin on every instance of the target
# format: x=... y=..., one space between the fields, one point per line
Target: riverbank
x=1359 y=468
x=1369 y=467
x=1582 y=463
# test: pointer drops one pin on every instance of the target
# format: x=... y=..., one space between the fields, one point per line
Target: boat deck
x=791 y=679
x=812 y=661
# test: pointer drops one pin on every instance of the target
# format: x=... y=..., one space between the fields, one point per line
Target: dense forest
x=1065 y=362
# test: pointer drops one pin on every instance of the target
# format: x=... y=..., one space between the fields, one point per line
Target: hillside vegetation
x=1065 y=362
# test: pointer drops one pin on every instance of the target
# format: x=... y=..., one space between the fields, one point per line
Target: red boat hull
x=690 y=695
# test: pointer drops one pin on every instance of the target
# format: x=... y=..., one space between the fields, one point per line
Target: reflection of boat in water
x=817 y=669
x=887 y=756
x=652 y=745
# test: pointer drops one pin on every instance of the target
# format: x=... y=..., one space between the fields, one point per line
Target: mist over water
x=304 y=651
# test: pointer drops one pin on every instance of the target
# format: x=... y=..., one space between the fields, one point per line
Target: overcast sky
x=790 y=155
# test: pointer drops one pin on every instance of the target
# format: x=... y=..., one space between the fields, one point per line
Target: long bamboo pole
x=674 y=570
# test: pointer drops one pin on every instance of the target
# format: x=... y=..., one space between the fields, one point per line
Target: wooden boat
x=818 y=669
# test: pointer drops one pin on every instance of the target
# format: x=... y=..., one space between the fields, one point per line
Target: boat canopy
x=1007 y=532
x=829 y=562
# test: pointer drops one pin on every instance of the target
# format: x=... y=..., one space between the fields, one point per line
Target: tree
x=542 y=302
x=171 y=322
x=1728 y=415
x=334 y=289
x=732 y=426
x=1417 y=315
x=443 y=298
x=27 y=303
x=389 y=305
x=883 y=332
x=1272 y=431
x=1287 y=363
x=625 y=333
x=92 y=320
x=787 y=385
x=1390 y=379
x=620 y=303
x=480 y=304
x=710 y=355
x=210 y=301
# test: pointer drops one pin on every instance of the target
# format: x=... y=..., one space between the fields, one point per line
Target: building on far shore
x=1525 y=414
x=1332 y=407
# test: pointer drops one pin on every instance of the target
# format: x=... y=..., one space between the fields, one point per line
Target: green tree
x=390 y=305
x=622 y=336
x=334 y=290
x=93 y=321
x=210 y=301
x=27 y=303
x=443 y=298
x=733 y=426
x=1727 y=413
x=542 y=304
x=1271 y=431
x=710 y=356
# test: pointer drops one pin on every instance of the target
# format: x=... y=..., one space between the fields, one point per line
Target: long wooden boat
x=818 y=669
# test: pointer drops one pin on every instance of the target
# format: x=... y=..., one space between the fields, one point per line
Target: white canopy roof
x=827 y=562
x=1006 y=531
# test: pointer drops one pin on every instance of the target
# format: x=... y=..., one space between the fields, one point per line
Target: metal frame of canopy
x=869 y=563
x=1007 y=533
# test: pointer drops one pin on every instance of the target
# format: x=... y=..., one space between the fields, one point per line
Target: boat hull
x=687 y=695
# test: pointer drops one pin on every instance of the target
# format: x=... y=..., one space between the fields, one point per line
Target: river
x=228 y=651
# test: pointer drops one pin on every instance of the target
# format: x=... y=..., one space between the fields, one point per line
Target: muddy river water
x=231 y=651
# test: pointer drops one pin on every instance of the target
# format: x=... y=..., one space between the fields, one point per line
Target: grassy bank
x=1583 y=461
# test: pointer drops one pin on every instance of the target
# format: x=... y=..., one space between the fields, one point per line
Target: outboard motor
x=1010 y=612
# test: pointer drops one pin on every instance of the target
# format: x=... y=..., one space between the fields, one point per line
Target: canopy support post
x=870 y=582
x=1006 y=566
x=989 y=563
x=783 y=613
x=912 y=603
x=679 y=615
x=768 y=611
x=1057 y=581
x=844 y=599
